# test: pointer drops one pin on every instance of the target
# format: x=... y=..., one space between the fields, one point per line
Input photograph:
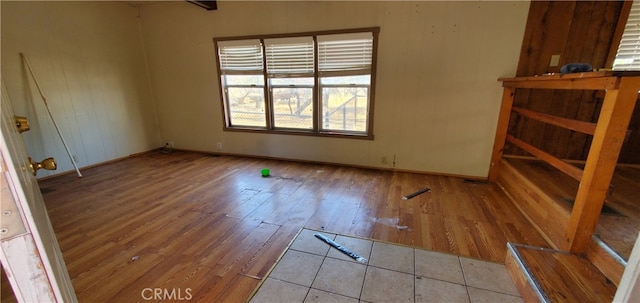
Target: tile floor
x=312 y=271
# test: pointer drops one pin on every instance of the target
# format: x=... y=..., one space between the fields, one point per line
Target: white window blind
x=345 y=52
x=240 y=56
x=287 y=56
x=628 y=55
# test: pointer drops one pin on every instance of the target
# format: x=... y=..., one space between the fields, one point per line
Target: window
x=308 y=83
x=290 y=80
x=344 y=66
x=628 y=55
x=241 y=70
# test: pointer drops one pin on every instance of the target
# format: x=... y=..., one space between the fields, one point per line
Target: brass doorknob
x=48 y=164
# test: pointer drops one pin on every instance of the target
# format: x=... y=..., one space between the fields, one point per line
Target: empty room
x=320 y=151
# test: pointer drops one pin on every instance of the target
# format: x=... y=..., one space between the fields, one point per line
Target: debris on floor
x=422 y=191
x=473 y=181
x=391 y=222
x=250 y=276
x=341 y=248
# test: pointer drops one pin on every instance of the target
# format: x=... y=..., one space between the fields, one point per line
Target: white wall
x=437 y=94
x=89 y=60
x=436 y=104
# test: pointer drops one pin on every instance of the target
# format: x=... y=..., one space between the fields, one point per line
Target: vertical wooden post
x=601 y=162
x=501 y=132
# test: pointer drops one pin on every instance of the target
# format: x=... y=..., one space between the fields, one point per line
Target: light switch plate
x=555 y=59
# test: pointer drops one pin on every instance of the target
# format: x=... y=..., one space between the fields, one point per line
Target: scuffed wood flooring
x=564 y=277
x=213 y=225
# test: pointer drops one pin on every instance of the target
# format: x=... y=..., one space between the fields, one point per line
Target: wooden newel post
x=501 y=132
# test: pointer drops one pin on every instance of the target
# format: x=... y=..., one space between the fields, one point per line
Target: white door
x=29 y=251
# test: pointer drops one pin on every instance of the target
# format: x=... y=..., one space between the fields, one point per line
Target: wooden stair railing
x=608 y=135
x=567 y=230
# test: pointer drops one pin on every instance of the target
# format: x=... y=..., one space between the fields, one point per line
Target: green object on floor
x=265 y=172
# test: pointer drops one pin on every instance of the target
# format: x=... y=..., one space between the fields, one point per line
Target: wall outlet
x=219 y=146
x=555 y=60
x=169 y=144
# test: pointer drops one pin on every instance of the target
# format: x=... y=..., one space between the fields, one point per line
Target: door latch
x=22 y=124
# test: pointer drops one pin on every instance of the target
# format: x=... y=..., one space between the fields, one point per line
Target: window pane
x=628 y=55
x=343 y=52
x=346 y=80
x=292 y=107
x=345 y=108
x=292 y=55
x=244 y=79
x=246 y=105
x=240 y=55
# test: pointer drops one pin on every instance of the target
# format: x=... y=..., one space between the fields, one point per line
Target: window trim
x=317 y=104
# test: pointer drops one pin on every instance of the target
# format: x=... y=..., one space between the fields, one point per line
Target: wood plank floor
x=6 y=293
x=214 y=225
x=564 y=277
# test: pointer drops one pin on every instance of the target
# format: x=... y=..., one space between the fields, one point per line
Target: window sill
x=327 y=134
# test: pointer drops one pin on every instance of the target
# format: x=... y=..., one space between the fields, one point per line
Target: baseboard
x=73 y=171
x=466 y=177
